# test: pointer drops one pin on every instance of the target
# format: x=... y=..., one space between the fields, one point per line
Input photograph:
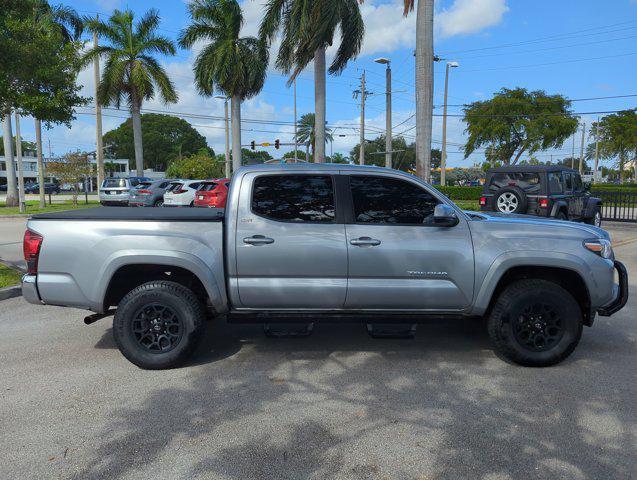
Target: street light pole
x=361 y=152
x=581 y=152
x=296 y=141
x=18 y=154
x=388 y=128
x=443 y=156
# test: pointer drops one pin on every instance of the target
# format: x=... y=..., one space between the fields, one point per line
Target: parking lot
x=337 y=404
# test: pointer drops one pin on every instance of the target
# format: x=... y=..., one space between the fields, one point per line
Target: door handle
x=258 y=240
x=365 y=242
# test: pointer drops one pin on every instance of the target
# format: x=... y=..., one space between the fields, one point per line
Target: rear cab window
x=529 y=182
x=294 y=198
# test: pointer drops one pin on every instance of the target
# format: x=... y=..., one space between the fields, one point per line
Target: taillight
x=31 y=247
x=483 y=201
x=544 y=202
x=144 y=192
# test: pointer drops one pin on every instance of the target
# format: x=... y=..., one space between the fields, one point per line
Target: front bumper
x=622 y=292
x=30 y=289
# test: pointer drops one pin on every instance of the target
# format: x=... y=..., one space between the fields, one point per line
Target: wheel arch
x=565 y=272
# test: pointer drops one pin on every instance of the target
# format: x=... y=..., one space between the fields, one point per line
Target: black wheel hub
x=538 y=327
x=157 y=328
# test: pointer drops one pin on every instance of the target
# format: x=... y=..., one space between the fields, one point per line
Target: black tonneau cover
x=152 y=214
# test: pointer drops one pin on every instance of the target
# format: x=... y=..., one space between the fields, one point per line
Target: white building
x=30 y=168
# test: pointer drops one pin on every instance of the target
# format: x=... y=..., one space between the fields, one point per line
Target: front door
x=398 y=259
x=574 y=194
x=290 y=249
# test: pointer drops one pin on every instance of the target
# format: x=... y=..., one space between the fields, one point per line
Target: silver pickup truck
x=324 y=242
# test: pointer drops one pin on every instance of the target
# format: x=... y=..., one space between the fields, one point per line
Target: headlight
x=600 y=246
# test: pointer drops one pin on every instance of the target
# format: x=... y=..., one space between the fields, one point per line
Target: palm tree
x=424 y=82
x=131 y=73
x=67 y=23
x=235 y=66
x=306 y=132
x=308 y=28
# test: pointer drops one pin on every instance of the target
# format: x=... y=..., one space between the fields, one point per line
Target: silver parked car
x=149 y=194
x=116 y=191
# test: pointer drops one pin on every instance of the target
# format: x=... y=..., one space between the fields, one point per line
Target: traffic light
x=277 y=143
x=253 y=144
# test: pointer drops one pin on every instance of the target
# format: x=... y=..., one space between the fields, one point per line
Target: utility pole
x=388 y=128
x=443 y=156
x=18 y=154
x=573 y=150
x=581 y=152
x=363 y=94
x=228 y=169
x=296 y=141
x=596 y=151
x=99 y=150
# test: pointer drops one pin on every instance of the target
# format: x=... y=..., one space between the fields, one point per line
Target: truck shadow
x=339 y=404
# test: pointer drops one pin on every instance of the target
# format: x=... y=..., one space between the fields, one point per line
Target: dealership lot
x=335 y=405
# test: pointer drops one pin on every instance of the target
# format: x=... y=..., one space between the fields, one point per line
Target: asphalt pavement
x=337 y=404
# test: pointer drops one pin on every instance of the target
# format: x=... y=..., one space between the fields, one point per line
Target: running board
x=392 y=330
x=288 y=330
x=98 y=316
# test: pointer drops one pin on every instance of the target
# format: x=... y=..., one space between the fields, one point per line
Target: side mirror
x=445 y=216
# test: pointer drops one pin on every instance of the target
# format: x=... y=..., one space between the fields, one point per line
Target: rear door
x=290 y=248
x=398 y=259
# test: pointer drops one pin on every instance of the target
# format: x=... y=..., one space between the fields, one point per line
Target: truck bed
x=137 y=214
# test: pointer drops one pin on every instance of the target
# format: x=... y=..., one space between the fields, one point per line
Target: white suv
x=181 y=193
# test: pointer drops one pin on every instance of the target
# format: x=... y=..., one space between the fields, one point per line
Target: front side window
x=294 y=198
x=568 y=180
x=555 y=182
x=391 y=201
x=577 y=182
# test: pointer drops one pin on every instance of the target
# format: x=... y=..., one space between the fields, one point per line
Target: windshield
x=114 y=183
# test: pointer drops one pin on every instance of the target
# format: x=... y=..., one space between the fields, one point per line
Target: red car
x=212 y=193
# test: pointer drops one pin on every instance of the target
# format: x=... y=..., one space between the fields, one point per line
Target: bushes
x=460 y=193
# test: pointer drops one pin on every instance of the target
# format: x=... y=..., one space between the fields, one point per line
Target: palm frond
x=147 y=24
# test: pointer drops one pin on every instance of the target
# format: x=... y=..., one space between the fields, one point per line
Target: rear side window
x=555 y=182
x=527 y=181
x=391 y=201
x=294 y=198
x=207 y=187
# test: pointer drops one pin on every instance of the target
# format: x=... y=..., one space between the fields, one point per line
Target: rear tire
x=535 y=323
x=158 y=325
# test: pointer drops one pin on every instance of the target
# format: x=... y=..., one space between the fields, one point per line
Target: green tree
x=72 y=168
x=617 y=134
x=236 y=66
x=307 y=29
x=251 y=157
x=516 y=121
x=306 y=132
x=131 y=73
x=339 y=158
x=164 y=137
x=200 y=165
x=404 y=159
x=26 y=145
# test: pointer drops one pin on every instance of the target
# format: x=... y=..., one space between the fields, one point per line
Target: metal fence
x=618 y=206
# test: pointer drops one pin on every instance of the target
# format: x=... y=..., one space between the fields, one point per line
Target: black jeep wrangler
x=544 y=190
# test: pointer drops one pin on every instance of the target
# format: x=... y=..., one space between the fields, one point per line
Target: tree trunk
x=635 y=166
x=319 y=105
x=424 y=86
x=137 y=139
x=38 y=147
x=12 y=190
x=235 y=106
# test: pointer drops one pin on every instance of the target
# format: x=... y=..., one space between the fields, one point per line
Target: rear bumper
x=621 y=296
x=30 y=289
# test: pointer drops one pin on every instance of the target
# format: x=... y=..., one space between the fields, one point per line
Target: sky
x=582 y=49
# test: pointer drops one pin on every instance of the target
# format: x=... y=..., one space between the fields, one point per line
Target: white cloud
x=469 y=16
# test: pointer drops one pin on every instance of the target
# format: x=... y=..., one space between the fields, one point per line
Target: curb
x=10 y=292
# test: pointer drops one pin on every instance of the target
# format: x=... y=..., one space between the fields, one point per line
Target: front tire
x=596 y=219
x=535 y=323
x=158 y=325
